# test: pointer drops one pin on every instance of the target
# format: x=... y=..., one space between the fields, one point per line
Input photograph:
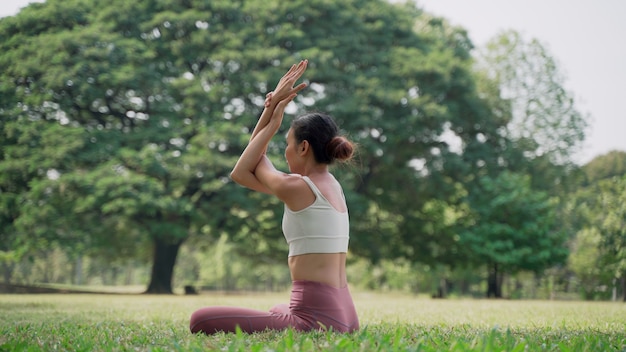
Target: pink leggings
x=313 y=306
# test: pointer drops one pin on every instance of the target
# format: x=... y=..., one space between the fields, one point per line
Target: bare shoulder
x=331 y=190
x=295 y=192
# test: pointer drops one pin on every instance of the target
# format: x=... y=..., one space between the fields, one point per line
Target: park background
x=121 y=122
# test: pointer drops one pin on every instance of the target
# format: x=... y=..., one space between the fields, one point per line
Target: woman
x=315 y=222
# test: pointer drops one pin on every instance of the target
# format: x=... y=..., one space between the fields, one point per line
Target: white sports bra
x=318 y=228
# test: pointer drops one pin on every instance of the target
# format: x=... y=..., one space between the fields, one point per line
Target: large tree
x=125 y=118
x=138 y=131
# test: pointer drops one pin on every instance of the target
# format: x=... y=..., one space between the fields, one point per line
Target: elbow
x=239 y=176
x=235 y=176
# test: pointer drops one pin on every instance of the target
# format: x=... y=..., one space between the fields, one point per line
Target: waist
x=326 y=268
x=315 y=285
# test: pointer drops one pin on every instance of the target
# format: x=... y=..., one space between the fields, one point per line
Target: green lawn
x=86 y=322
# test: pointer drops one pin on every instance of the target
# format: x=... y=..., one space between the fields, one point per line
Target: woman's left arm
x=244 y=171
x=283 y=89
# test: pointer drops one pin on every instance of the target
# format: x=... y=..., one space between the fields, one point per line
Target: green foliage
x=139 y=150
x=147 y=104
x=612 y=164
x=121 y=121
x=586 y=262
x=600 y=213
x=513 y=226
x=219 y=265
x=222 y=266
x=544 y=119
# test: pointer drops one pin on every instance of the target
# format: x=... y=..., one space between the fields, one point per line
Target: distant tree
x=600 y=210
x=613 y=228
x=585 y=261
x=545 y=129
x=597 y=212
x=510 y=228
x=605 y=166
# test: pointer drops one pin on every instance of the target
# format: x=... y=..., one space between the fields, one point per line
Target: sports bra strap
x=312 y=186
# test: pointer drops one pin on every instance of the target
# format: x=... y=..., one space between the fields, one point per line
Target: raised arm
x=284 y=88
x=266 y=127
x=254 y=154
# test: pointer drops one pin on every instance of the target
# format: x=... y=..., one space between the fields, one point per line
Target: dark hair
x=322 y=133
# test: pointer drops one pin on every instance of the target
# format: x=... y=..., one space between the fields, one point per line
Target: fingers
x=299 y=69
x=285 y=85
x=268 y=99
x=283 y=103
x=299 y=87
x=291 y=71
x=296 y=70
x=293 y=67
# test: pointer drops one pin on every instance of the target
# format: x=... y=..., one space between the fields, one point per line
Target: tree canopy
x=122 y=120
x=598 y=211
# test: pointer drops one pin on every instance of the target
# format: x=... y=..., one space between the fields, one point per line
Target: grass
x=98 y=322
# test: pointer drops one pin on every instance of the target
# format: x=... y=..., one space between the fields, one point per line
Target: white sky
x=585 y=37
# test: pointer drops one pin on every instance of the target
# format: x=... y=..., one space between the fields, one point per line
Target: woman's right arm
x=244 y=172
x=284 y=88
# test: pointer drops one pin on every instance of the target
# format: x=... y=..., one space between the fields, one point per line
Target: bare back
x=328 y=268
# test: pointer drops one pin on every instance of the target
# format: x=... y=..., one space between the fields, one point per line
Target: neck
x=314 y=168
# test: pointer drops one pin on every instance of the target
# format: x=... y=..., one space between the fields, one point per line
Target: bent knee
x=195 y=321
x=210 y=320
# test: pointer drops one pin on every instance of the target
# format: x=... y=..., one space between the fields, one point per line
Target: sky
x=584 y=37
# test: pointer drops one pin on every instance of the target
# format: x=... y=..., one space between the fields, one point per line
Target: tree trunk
x=494 y=282
x=165 y=254
x=78 y=270
x=7 y=271
x=443 y=288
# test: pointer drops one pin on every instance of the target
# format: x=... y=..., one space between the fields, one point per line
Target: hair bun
x=340 y=148
x=322 y=133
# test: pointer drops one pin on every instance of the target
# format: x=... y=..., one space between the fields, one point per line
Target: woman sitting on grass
x=315 y=221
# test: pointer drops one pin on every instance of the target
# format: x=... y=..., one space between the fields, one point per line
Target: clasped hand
x=285 y=89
